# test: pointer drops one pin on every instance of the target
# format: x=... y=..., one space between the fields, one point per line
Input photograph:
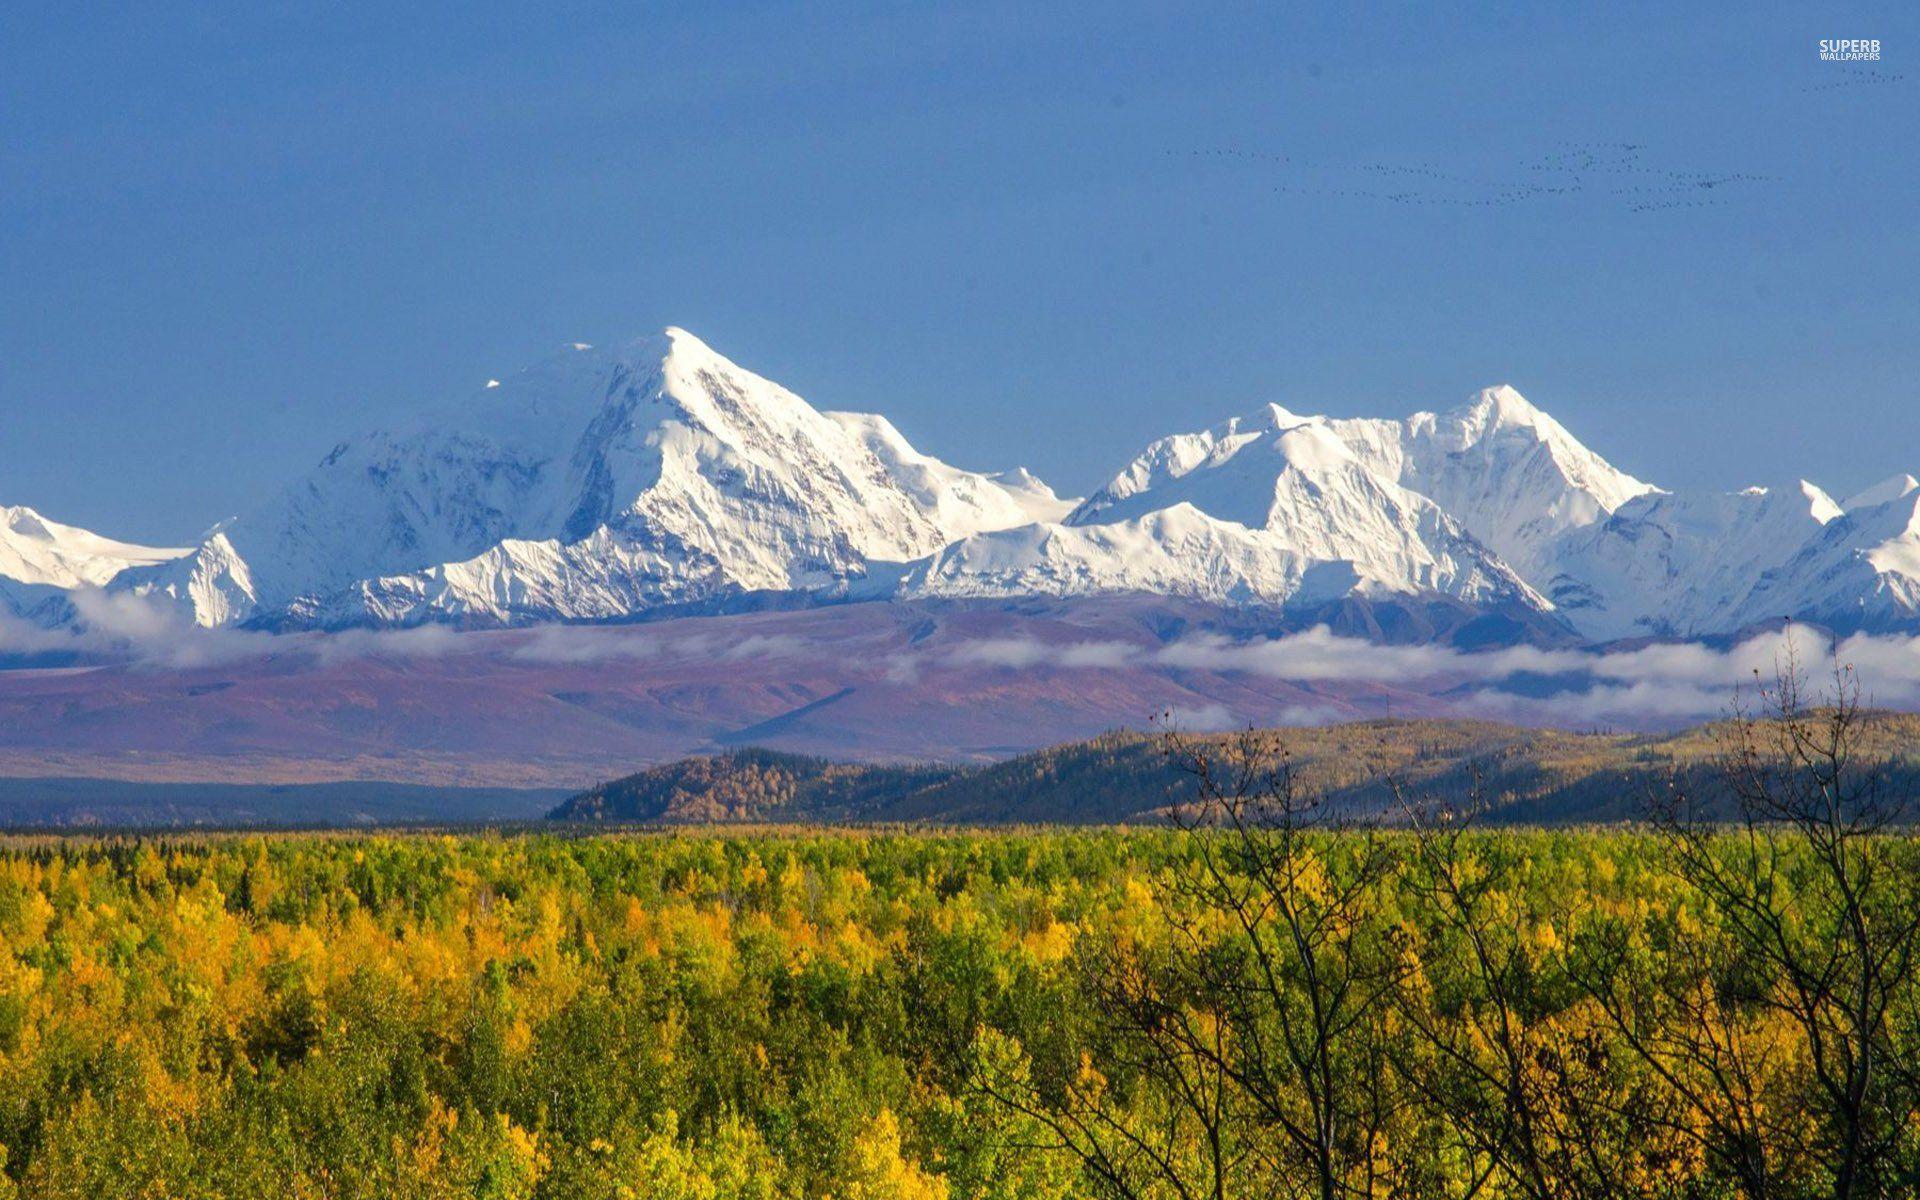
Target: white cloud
x=20 y=636
x=1026 y=652
x=157 y=635
x=585 y=644
x=1097 y=654
x=760 y=646
x=420 y=641
x=1016 y=652
x=1660 y=683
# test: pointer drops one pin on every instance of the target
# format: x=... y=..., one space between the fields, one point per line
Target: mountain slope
x=1860 y=572
x=1678 y=564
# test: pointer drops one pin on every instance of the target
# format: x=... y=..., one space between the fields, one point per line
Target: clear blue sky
x=230 y=234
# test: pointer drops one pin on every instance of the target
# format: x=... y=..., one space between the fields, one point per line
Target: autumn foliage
x=1259 y=1001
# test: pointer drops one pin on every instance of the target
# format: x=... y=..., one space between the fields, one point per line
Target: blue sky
x=1038 y=234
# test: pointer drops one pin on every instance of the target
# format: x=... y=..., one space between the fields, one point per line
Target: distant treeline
x=49 y=803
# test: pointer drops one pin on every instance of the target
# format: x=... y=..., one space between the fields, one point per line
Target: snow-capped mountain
x=659 y=476
x=41 y=560
x=1491 y=503
x=599 y=483
x=1511 y=475
x=1273 y=508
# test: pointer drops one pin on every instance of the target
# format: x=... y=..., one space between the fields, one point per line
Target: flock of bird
x=1863 y=77
x=1609 y=170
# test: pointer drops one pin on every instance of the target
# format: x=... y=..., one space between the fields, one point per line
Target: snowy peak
x=1511 y=474
x=1820 y=506
x=598 y=482
x=1173 y=458
x=211 y=584
x=43 y=553
x=42 y=561
x=1502 y=407
x=1503 y=473
x=1272 y=508
x=1884 y=492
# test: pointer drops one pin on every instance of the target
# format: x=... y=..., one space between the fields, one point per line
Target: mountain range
x=659 y=478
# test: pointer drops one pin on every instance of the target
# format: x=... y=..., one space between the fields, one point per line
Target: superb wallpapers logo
x=1850 y=50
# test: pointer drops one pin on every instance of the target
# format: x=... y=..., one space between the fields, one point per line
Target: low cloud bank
x=137 y=631
x=1652 y=684
x=1665 y=683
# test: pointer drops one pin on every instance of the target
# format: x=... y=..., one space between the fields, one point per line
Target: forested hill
x=1526 y=775
x=752 y=785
